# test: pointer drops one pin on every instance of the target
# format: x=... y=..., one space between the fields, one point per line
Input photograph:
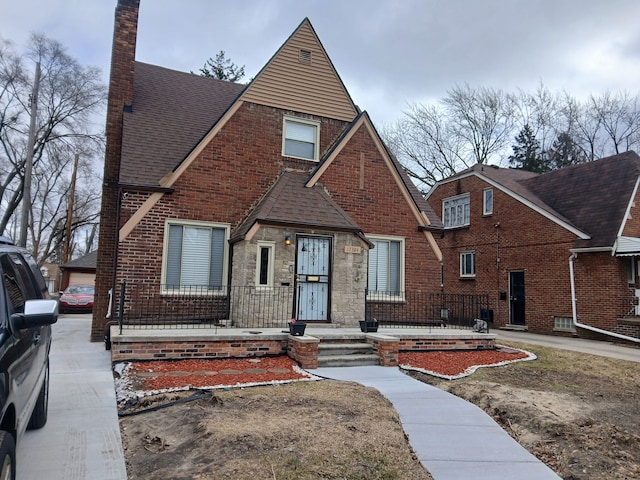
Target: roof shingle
x=171 y=112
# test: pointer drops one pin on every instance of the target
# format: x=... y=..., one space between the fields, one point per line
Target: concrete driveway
x=81 y=439
x=594 y=347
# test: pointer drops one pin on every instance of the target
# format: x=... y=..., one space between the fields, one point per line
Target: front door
x=313 y=275
x=516 y=298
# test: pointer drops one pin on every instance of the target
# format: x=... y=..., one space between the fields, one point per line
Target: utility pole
x=28 y=164
x=72 y=194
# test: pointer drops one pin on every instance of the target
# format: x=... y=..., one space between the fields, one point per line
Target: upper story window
x=487 y=204
x=455 y=211
x=301 y=138
x=195 y=256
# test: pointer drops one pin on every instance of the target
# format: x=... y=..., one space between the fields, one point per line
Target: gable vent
x=304 y=56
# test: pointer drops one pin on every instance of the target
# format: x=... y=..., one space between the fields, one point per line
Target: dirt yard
x=580 y=414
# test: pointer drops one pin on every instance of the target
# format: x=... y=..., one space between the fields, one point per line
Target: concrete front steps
x=346 y=354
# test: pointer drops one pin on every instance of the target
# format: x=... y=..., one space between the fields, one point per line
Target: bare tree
x=475 y=125
x=70 y=99
x=620 y=118
x=468 y=126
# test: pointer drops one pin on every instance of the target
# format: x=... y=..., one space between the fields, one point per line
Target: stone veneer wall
x=348 y=275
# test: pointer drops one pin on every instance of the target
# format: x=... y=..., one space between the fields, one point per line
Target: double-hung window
x=386 y=267
x=487 y=204
x=468 y=264
x=456 y=211
x=301 y=138
x=195 y=256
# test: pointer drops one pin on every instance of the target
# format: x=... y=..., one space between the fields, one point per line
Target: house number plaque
x=352 y=249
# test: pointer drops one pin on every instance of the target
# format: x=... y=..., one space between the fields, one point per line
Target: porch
x=220 y=342
x=157 y=322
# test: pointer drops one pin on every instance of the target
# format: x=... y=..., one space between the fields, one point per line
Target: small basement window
x=563 y=324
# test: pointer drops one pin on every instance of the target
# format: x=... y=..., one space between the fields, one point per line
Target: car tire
x=39 y=414
x=7 y=456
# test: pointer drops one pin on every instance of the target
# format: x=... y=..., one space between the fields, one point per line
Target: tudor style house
x=282 y=183
x=558 y=251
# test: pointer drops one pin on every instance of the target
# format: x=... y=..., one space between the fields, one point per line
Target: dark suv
x=26 y=314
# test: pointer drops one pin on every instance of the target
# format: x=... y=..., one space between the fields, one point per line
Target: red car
x=76 y=298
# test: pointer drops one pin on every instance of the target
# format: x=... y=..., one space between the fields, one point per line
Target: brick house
x=283 y=183
x=528 y=239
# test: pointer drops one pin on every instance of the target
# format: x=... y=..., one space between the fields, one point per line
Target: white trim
x=473 y=255
x=627 y=213
x=485 y=211
x=462 y=196
x=303 y=121
x=580 y=234
x=271 y=245
x=193 y=223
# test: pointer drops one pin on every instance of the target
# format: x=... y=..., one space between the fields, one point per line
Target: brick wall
x=527 y=241
x=176 y=349
x=120 y=95
x=361 y=183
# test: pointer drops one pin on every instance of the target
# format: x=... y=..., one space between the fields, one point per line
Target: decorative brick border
x=150 y=345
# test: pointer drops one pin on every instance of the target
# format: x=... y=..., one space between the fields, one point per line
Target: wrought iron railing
x=421 y=309
x=162 y=306
x=140 y=305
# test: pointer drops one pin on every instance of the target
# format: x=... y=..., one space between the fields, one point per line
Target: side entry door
x=516 y=298
x=313 y=278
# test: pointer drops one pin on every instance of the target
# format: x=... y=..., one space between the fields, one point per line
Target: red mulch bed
x=229 y=372
x=199 y=373
x=454 y=364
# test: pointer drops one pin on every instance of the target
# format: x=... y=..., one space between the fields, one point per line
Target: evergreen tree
x=565 y=152
x=527 y=154
x=222 y=68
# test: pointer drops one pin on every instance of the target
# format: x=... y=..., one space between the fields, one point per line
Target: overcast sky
x=388 y=53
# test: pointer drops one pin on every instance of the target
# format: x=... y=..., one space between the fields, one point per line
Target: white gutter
x=575 y=313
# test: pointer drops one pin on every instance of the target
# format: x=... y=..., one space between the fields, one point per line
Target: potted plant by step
x=368 y=326
x=296 y=328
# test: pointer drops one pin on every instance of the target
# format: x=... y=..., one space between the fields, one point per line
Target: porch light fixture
x=287 y=240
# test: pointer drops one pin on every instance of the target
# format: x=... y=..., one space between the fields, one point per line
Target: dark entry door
x=516 y=298
x=313 y=277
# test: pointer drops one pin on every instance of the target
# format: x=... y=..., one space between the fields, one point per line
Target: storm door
x=313 y=278
x=516 y=298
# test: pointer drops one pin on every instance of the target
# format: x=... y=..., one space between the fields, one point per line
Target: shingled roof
x=594 y=196
x=591 y=197
x=289 y=202
x=171 y=112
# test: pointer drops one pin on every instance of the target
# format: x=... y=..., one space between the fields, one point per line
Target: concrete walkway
x=454 y=439
x=594 y=347
x=81 y=439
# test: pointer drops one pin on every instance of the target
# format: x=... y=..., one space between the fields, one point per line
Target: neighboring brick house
x=525 y=237
x=213 y=183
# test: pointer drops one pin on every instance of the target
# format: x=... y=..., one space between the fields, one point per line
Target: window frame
x=465 y=213
x=316 y=137
x=386 y=296
x=463 y=264
x=165 y=257
x=271 y=246
x=487 y=206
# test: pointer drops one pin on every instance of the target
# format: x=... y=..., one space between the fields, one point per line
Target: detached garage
x=81 y=271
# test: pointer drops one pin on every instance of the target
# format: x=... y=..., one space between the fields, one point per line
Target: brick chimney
x=123 y=55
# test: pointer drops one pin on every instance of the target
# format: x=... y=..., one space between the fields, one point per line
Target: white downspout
x=575 y=313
